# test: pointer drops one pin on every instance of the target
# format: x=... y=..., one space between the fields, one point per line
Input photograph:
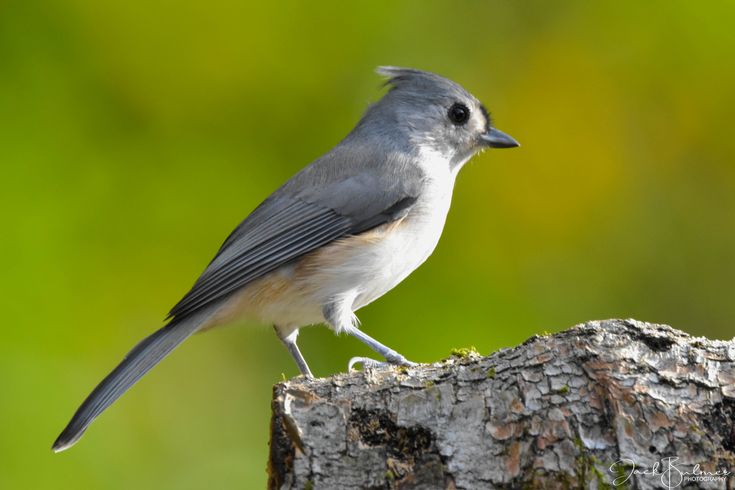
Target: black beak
x=495 y=138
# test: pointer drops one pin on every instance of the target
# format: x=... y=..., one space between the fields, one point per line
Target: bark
x=585 y=408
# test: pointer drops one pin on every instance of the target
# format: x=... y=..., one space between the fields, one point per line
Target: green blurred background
x=135 y=135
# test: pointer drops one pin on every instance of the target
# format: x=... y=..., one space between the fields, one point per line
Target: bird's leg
x=289 y=340
x=339 y=315
x=391 y=356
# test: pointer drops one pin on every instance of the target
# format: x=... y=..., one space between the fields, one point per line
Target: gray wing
x=332 y=198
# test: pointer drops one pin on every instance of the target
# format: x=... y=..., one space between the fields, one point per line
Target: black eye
x=458 y=113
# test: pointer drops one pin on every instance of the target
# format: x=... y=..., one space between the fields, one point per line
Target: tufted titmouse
x=338 y=235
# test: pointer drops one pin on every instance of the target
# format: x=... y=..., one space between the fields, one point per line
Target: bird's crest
x=420 y=82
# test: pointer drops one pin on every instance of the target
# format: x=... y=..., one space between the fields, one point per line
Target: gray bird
x=335 y=237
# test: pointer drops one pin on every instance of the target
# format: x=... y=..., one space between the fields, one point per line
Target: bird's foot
x=368 y=363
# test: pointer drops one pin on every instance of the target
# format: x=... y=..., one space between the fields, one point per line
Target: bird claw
x=368 y=363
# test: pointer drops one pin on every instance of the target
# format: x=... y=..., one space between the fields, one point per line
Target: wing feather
x=302 y=228
x=330 y=199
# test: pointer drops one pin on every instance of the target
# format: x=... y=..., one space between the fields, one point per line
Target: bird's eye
x=458 y=113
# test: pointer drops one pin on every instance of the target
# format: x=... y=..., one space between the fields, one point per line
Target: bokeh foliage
x=135 y=135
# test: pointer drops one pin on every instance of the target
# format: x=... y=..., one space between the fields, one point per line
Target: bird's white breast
x=406 y=245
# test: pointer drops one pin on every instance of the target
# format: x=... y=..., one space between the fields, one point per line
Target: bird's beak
x=495 y=138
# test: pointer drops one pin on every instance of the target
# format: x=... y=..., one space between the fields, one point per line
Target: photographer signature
x=667 y=468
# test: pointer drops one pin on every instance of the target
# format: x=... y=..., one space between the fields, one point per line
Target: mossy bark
x=579 y=409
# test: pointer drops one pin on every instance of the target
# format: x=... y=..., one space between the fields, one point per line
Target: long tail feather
x=149 y=352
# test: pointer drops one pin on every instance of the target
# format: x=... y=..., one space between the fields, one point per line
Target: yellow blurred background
x=135 y=135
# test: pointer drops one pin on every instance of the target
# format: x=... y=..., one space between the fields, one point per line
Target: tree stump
x=605 y=404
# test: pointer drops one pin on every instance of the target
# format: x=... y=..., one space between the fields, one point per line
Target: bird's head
x=428 y=111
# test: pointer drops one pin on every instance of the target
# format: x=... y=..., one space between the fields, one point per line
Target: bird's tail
x=149 y=352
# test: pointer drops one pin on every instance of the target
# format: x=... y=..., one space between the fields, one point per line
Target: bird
x=336 y=236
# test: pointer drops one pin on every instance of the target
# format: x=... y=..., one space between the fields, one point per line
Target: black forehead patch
x=488 y=118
